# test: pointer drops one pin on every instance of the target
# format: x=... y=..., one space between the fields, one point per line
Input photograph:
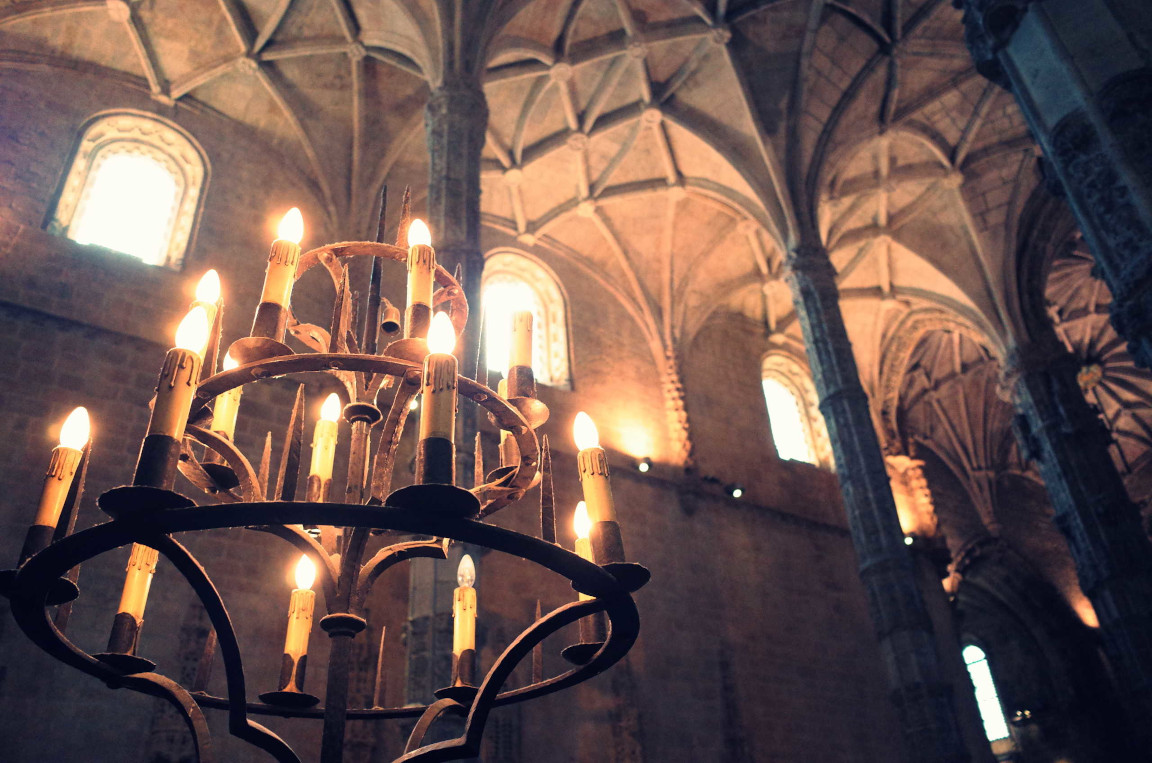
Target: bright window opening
x=788 y=430
x=134 y=185
x=128 y=205
x=987 y=699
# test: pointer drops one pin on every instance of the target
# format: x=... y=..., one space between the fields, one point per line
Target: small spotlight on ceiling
x=644 y=464
x=908 y=540
x=735 y=491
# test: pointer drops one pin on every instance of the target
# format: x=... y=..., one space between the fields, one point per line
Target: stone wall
x=755 y=641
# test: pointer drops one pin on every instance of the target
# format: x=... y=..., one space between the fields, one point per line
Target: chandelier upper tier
x=191 y=430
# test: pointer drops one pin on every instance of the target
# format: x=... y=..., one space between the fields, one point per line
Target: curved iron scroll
x=152 y=528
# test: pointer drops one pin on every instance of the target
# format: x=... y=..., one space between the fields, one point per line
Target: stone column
x=1081 y=71
x=922 y=695
x=1113 y=556
x=455 y=121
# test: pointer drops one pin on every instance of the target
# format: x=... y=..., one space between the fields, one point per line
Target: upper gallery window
x=512 y=282
x=987 y=698
x=134 y=186
x=798 y=429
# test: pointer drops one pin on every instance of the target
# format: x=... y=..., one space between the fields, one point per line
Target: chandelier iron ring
x=36 y=577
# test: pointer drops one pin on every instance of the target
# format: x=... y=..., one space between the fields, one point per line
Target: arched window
x=134 y=186
x=987 y=699
x=798 y=429
x=514 y=281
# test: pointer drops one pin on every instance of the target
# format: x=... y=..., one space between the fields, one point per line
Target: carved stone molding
x=988 y=26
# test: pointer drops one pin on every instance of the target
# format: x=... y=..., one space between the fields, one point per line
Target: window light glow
x=788 y=430
x=987 y=699
x=74 y=433
x=129 y=205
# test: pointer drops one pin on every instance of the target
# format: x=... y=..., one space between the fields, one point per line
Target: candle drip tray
x=295 y=700
x=131 y=499
x=61 y=591
x=253 y=348
x=631 y=576
x=128 y=664
x=464 y=694
x=581 y=654
x=441 y=499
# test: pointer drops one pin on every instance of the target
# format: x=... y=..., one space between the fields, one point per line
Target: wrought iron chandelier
x=191 y=430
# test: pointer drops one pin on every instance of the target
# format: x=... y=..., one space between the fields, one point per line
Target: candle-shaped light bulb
x=421 y=280
x=592 y=466
x=208 y=290
x=227 y=404
x=324 y=449
x=436 y=454
x=466 y=572
x=441 y=335
x=291 y=226
x=582 y=525
x=305 y=573
x=174 y=391
x=581 y=522
x=57 y=482
x=300 y=610
x=584 y=432
x=464 y=623
x=74 y=433
x=330 y=411
x=192 y=334
x=418 y=233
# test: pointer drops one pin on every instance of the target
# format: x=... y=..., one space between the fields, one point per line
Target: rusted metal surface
x=235 y=496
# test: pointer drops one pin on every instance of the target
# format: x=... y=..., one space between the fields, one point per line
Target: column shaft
x=1081 y=71
x=922 y=696
x=1113 y=555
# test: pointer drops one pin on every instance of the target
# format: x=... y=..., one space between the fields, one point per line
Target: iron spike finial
x=289 y=474
x=547 y=493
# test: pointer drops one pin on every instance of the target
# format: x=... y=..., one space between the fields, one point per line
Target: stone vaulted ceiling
x=673 y=150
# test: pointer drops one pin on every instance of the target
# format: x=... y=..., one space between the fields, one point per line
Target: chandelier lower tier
x=191 y=431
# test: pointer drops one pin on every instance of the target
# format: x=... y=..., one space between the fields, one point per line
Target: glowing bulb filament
x=193 y=331
x=330 y=411
x=581 y=522
x=441 y=335
x=466 y=572
x=584 y=432
x=208 y=290
x=418 y=233
x=229 y=363
x=305 y=572
x=291 y=226
x=74 y=433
